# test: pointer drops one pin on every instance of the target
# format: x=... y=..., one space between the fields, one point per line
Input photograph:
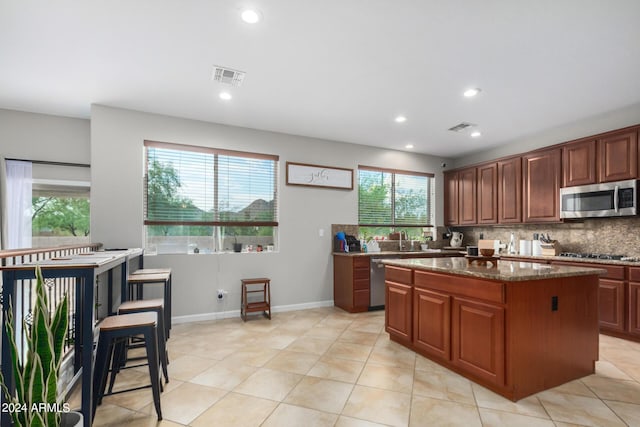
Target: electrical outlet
x=221 y=294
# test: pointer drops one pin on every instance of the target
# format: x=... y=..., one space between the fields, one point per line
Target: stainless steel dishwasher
x=376 y=284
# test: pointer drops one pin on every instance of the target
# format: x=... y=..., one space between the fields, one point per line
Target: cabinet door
x=467 y=200
x=542 y=186
x=478 y=332
x=510 y=191
x=611 y=305
x=634 y=308
x=432 y=322
x=618 y=156
x=579 y=163
x=488 y=194
x=398 y=310
x=451 y=198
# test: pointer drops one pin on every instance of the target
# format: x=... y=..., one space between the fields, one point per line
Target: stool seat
x=129 y=321
x=137 y=281
x=143 y=304
x=152 y=271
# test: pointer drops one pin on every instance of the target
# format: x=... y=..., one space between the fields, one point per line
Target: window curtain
x=17 y=205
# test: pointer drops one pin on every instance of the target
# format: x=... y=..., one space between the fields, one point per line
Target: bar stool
x=139 y=278
x=117 y=328
x=120 y=352
x=263 y=304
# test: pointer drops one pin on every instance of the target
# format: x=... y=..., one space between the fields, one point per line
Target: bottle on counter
x=512 y=245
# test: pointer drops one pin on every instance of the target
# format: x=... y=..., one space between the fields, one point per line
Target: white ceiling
x=333 y=69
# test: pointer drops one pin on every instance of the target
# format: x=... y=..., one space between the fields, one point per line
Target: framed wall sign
x=319 y=176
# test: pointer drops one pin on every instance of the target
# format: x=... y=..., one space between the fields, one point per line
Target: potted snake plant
x=35 y=401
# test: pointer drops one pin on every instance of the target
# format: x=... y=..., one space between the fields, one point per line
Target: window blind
x=187 y=185
x=389 y=197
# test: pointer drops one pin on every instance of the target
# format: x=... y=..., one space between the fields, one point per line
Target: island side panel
x=552 y=332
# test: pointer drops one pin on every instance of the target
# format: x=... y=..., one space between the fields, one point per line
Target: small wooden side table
x=255 y=287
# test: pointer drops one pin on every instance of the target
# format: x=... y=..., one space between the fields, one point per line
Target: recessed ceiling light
x=225 y=95
x=400 y=119
x=408 y=146
x=250 y=16
x=470 y=93
x=475 y=134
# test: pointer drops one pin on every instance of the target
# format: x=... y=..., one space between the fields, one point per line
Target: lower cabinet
x=478 y=339
x=634 y=302
x=432 y=322
x=455 y=329
x=398 y=310
x=351 y=283
x=611 y=305
x=611 y=295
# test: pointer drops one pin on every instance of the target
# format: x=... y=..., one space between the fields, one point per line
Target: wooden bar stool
x=139 y=278
x=120 y=352
x=117 y=328
x=263 y=304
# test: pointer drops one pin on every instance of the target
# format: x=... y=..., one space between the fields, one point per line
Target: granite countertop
x=539 y=258
x=426 y=254
x=512 y=271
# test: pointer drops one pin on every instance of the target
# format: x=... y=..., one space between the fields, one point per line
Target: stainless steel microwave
x=618 y=198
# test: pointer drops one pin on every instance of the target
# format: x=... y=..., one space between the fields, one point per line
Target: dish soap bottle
x=512 y=245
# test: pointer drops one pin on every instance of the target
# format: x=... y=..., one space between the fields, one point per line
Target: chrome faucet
x=400 y=240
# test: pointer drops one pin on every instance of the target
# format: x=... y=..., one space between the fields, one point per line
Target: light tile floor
x=326 y=367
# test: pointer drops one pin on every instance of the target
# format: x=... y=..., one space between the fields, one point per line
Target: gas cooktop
x=599 y=256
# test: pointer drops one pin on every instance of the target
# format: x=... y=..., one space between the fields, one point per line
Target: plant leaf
x=59 y=326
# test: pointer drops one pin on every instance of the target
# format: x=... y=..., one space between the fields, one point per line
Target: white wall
x=32 y=136
x=301 y=272
x=617 y=119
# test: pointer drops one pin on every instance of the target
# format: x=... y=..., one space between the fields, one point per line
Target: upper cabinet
x=579 y=163
x=467 y=183
x=451 y=198
x=541 y=185
x=510 y=190
x=618 y=154
x=526 y=188
x=488 y=194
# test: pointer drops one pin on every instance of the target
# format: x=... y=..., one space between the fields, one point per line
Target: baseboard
x=236 y=313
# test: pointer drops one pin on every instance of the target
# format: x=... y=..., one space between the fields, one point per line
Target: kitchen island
x=516 y=328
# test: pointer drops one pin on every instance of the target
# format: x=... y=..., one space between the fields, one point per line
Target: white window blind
x=203 y=186
x=388 y=197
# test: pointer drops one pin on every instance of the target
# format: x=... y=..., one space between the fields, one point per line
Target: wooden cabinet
x=504 y=335
x=611 y=295
x=478 y=344
x=541 y=191
x=611 y=304
x=579 y=163
x=633 y=323
x=510 y=190
x=618 y=156
x=432 y=322
x=467 y=198
x=398 y=303
x=451 y=198
x=351 y=282
x=487 y=211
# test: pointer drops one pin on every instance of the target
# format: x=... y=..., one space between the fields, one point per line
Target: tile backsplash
x=620 y=236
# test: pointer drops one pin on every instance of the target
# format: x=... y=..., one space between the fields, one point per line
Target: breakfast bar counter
x=516 y=328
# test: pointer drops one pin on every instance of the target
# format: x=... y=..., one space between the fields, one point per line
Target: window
x=393 y=200
x=200 y=200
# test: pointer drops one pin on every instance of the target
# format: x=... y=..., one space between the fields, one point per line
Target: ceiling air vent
x=461 y=126
x=227 y=75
